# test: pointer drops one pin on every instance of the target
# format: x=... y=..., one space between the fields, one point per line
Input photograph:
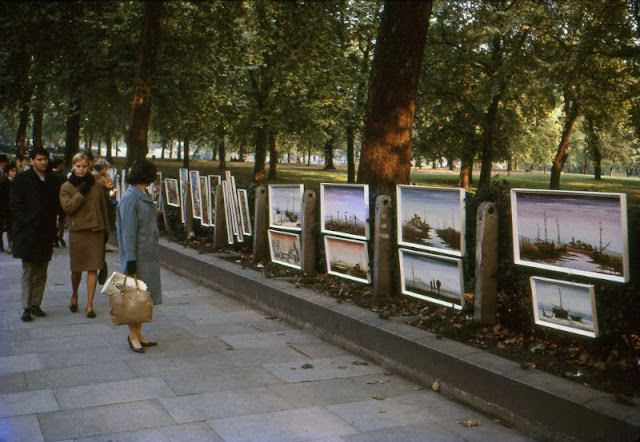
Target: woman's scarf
x=77 y=180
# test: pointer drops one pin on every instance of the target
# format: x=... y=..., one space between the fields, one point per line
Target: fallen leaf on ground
x=360 y=363
x=306 y=366
x=382 y=411
x=379 y=397
x=379 y=381
x=435 y=386
x=528 y=365
x=470 y=423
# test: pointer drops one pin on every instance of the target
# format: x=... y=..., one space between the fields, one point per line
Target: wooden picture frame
x=206 y=201
x=245 y=218
x=183 y=180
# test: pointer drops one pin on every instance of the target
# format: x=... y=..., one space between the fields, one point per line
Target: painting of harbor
x=171 y=191
x=434 y=278
x=196 y=196
x=285 y=248
x=344 y=209
x=245 y=219
x=347 y=258
x=584 y=233
x=564 y=306
x=206 y=201
x=184 y=187
x=285 y=206
x=431 y=218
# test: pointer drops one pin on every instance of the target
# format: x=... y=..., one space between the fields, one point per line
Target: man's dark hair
x=3 y=158
x=141 y=172
x=38 y=151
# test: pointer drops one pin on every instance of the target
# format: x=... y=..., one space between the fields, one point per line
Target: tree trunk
x=309 y=156
x=185 y=156
x=262 y=134
x=164 y=147
x=328 y=153
x=72 y=135
x=298 y=156
x=273 y=155
x=38 y=113
x=21 y=134
x=593 y=141
x=137 y=138
x=572 y=113
x=385 y=158
x=214 y=153
x=465 y=179
x=487 y=145
x=450 y=162
x=179 y=150
x=107 y=142
x=222 y=154
x=351 y=163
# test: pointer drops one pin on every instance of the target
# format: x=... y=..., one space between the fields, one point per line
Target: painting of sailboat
x=581 y=233
x=347 y=258
x=285 y=248
x=433 y=278
x=344 y=210
x=564 y=306
x=431 y=218
x=285 y=206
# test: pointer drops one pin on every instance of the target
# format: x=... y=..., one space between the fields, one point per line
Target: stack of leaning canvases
x=285 y=224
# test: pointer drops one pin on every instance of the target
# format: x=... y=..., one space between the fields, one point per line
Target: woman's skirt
x=86 y=250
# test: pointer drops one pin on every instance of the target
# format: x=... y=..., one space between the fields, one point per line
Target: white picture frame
x=206 y=201
x=285 y=206
x=172 y=192
x=196 y=196
x=183 y=180
x=285 y=248
x=573 y=232
x=564 y=305
x=347 y=258
x=245 y=218
x=344 y=210
x=227 y=211
x=434 y=278
x=431 y=218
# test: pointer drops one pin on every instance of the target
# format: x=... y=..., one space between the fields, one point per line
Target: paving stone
x=112 y=393
x=18 y=364
x=320 y=350
x=27 y=402
x=339 y=367
x=94 y=421
x=243 y=316
x=89 y=356
x=217 y=330
x=63 y=331
x=58 y=344
x=206 y=380
x=12 y=383
x=78 y=375
x=410 y=433
x=258 y=356
x=20 y=429
x=284 y=426
x=160 y=366
x=204 y=406
x=259 y=340
x=195 y=432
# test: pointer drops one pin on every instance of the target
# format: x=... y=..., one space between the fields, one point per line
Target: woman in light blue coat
x=138 y=234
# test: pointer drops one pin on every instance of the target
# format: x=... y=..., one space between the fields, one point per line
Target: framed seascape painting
x=344 y=210
x=563 y=305
x=285 y=248
x=206 y=201
x=196 y=195
x=213 y=182
x=183 y=178
x=171 y=192
x=227 y=211
x=579 y=233
x=245 y=219
x=431 y=218
x=285 y=206
x=434 y=278
x=347 y=258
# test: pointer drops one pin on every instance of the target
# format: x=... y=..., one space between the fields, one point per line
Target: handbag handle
x=124 y=284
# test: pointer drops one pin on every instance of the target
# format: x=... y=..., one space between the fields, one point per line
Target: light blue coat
x=138 y=234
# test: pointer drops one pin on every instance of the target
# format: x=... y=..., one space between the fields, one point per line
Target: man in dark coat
x=34 y=207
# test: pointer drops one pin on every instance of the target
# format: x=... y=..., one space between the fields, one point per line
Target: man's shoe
x=37 y=311
x=26 y=315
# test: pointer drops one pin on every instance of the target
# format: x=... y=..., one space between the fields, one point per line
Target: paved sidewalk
x=221 y=372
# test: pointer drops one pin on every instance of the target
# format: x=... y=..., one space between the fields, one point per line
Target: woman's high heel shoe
x=73 y=308
x=137 y=350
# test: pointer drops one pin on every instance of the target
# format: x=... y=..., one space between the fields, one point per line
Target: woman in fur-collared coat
x=84 y=202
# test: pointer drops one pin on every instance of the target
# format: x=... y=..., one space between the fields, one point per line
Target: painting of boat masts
x=433 y=278
x=171 y=192
x=184 y=187
x=285 y=206
x=564 y=306
x=285 y=248
x=245 y=219
x=579 y=233
x=347 y=258
x=431 y=218
x=196 y=196
x=344 y=210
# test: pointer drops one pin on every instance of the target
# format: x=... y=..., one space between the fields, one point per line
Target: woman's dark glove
x=84 y=188
x=106 y=237
x=131 y=268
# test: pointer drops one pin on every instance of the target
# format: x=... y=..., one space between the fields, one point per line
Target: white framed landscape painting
x=285 y=248
x=206 y=201
x=245 y=218
x=579 y=233
x=285 y=206
x=431 y=218
x=433 y=278
x=344 y=210
x=347 y=258
x=196 y=196
x=564 y=305
x=184 y=187
x=171 y=192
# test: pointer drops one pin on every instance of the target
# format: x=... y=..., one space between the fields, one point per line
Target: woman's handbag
x=131 y=305
x=103 y=274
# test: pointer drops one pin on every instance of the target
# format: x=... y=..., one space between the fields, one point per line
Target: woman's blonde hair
x=79 y=157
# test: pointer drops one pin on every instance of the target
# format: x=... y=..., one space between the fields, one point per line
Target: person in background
x=10 y=170
x=57 y=168
x=84 y=202
x=34 y=205
x=138 y=234
x=3 y=177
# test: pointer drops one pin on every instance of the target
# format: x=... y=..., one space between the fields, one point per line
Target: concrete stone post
x=260 y=226
x=308 y=234
x=486 y=264
x=220 y=227
x=382 y=248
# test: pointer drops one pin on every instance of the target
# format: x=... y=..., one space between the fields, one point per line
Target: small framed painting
x=564 y=305
x=228 y=211
x=434 y=278
x=245 y=219
x=171 y=192
x=285 y=248
x=431 y=218
x=213 y=182
x=196 y=196
x=183 y=178
x=206 y=201
x=285 y=206
x=579 y=233
x=344 y=210
x=347 y=258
